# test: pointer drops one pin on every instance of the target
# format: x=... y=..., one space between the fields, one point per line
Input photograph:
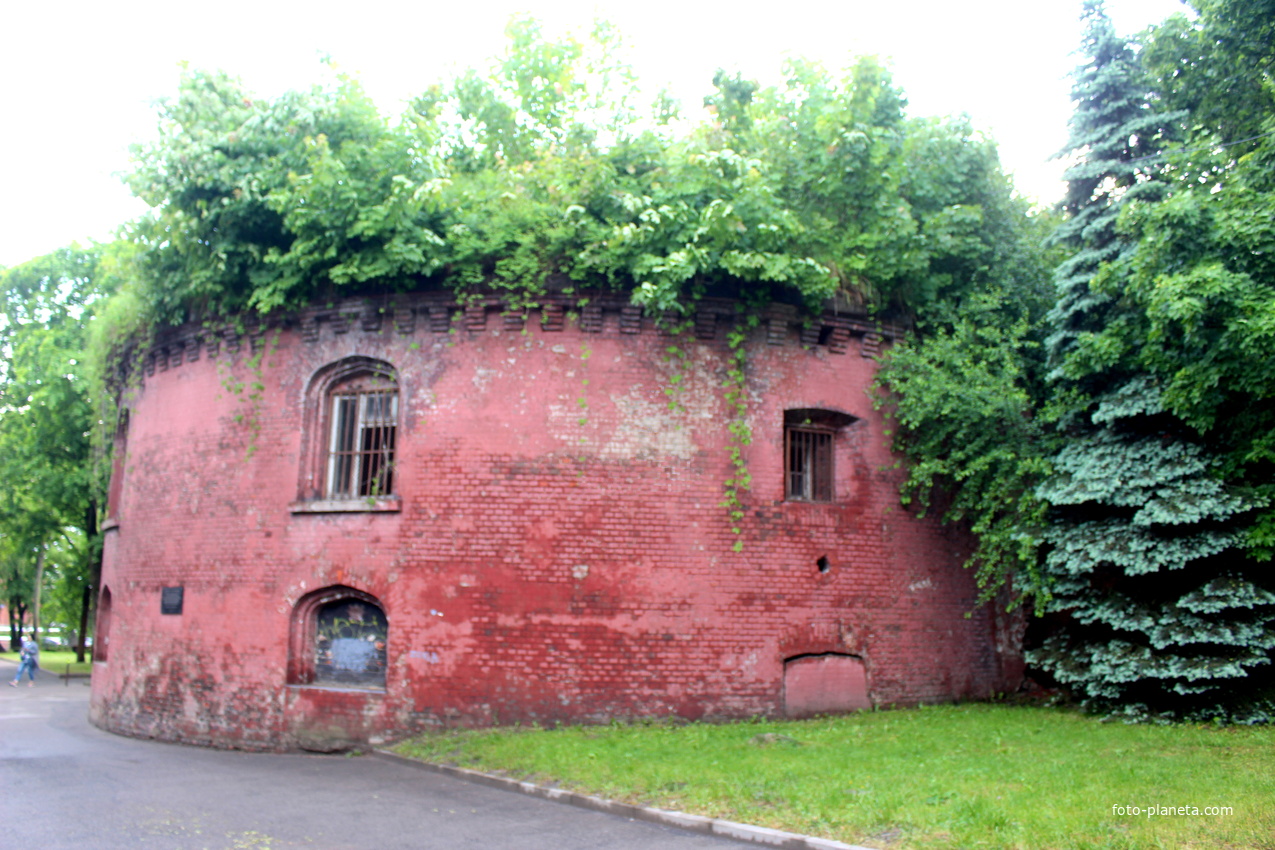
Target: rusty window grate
x=361 y=451
x=808 y=453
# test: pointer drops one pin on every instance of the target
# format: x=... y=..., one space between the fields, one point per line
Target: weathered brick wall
x=560 y=552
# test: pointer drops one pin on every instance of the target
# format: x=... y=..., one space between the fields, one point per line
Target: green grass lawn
x=991 y=776
x=55 y=661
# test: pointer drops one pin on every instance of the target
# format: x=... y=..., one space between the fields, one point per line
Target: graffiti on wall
x=350 y=644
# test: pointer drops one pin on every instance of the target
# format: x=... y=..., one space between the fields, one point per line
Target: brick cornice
x=422 y=314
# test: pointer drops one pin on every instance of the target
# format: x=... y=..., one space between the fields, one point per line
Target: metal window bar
x=809 y=455
x=361 y=453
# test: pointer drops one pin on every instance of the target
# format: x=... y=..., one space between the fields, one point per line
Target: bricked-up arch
x=825 y=683
x=102 y=641
x=350 y=435
x=118 y=454
x=339 y=637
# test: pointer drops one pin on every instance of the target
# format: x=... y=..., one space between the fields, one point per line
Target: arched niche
x=339 y=637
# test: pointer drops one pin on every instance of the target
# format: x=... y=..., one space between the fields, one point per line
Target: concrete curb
x=678 y=820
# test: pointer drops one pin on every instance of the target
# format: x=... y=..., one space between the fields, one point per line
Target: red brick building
x=384 y=514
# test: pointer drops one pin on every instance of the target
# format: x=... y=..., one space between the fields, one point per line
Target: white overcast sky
x=78 y=80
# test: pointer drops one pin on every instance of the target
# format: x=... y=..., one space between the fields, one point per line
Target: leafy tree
x=963 y=392
x=1157 y=611
x=1154 y=483
x=45 y=421
x=542 y=97
x=1219 y=68
x=1205 y=274
x=965 y=388
x=730 y=102
x=1205 y=282
x=65 y=581
x=231 y=180
x=17 y=579
x=544 y=170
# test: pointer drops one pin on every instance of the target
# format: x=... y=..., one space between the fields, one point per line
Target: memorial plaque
x=170 y=601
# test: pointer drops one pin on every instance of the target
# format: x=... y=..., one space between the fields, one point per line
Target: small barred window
x=809 y=455
x=809 y=464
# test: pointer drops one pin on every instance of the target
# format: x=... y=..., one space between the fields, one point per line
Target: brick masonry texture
x=557 y=551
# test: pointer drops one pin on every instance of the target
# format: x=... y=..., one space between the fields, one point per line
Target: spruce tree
x=1156 y=613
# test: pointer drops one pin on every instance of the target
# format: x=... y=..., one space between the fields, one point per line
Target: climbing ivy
x=741 y=434
x=961 y=395
x=582 y=400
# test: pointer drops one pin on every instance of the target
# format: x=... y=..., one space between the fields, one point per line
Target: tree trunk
x=95 y=576
x=35 y=602
x=17 y=613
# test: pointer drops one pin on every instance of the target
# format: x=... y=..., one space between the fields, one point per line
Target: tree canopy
x=1124 y=480
x=546 y=169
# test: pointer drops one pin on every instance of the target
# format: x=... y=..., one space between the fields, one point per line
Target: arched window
x=351 y=438
x=340 y=637
x=809 y=453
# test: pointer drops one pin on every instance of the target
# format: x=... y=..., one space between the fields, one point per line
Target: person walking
x=28 y=661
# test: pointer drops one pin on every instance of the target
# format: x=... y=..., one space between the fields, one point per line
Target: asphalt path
x=67 y=784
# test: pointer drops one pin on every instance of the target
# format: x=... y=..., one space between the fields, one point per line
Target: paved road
x=66 y=784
